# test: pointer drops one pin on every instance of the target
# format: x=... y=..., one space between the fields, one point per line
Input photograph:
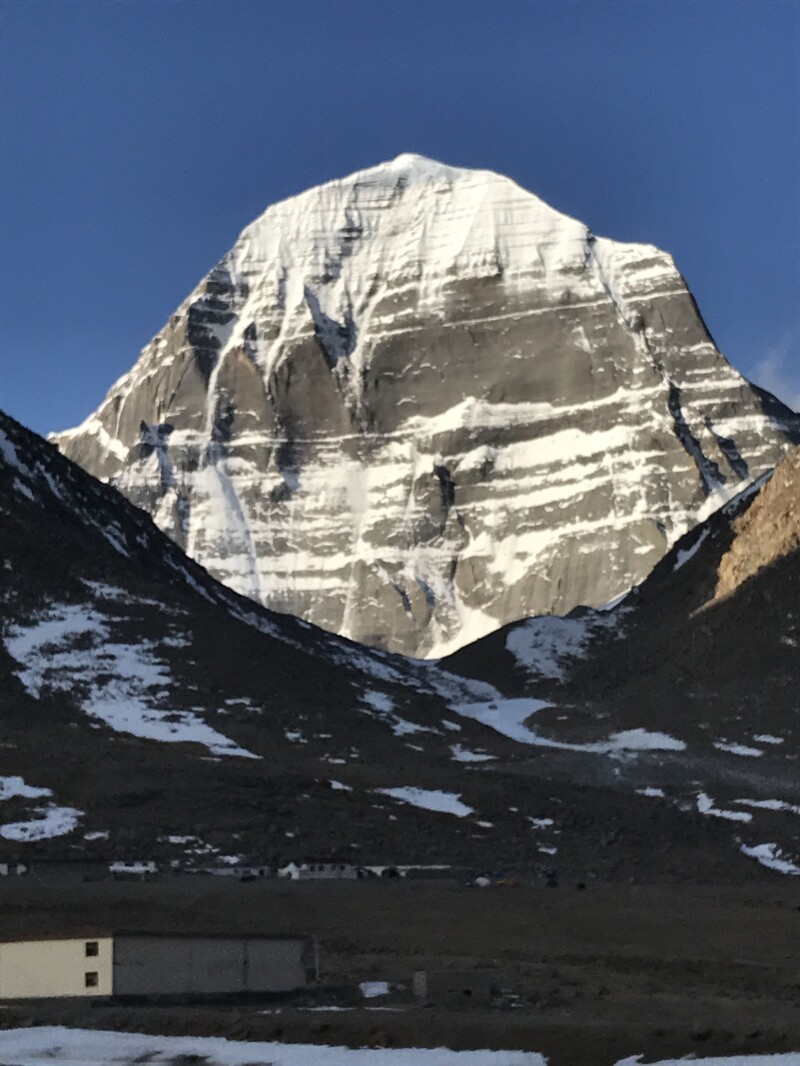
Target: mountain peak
x=414 y=166
x=413 y=160
x=416 y=403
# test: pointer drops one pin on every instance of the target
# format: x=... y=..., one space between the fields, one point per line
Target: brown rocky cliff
x=768 y=530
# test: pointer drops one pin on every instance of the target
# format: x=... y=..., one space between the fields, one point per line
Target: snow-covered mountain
x=418 y=403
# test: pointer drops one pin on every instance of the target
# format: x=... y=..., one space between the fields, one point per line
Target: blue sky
x=138 y=137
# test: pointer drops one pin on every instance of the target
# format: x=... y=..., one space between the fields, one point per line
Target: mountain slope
x=149 y=712
x=417 y=403
x=706 y=650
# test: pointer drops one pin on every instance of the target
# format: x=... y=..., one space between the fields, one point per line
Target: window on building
x=90 y=979
x=92 y=948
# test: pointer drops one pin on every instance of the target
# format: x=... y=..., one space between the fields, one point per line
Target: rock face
x=418 y=403
x=767 y=531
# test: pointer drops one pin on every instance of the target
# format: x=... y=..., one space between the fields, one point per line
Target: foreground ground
x=586 y=977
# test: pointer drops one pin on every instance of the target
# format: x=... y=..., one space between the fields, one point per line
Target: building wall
x=44 y=968
x=326 y=872
x=206 y=965
x=276 y=965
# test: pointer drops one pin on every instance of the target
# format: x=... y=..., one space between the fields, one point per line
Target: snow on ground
x=465 y=755
x=682 y=556
x=84 y=1047
x=373 y=989
x=705 y=805
x=50 y=821
x=769 y=855
x=378 y=701
x=737 y=749
x=429 y=799
x=768 y=805
x=56 y=1044
x=541 y=644
x=637 y=740
x=508 y=717
x=383 y=706
x=70 y=650
x=11 y=787
x=767 y=738
x=790 y=1059
x=655 y=792
x=46 y=821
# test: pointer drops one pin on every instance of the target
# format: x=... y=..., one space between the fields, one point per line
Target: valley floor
x=587 y=978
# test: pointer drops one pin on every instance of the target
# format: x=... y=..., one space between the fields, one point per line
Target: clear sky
x=138 y=137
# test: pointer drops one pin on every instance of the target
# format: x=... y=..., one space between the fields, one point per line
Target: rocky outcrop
x=766 y=532
x=418 y=403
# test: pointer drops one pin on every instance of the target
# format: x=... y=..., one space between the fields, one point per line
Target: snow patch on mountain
x=543 y=646
x=429 y=799
x=705 y=805
x=737 y=749
x=509 y=717
x=48 y=822
x=383 y=708
x=768 y=805
x=70 y=649
x=461 y=754
x=769 y=855
x=13 y=787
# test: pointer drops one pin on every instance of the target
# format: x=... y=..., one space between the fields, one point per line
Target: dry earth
x=584 y=977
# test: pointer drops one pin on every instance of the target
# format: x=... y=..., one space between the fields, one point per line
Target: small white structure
x=133 y=870
x=243 y=873
x=152 y=965
x=319 y=871
x=13 y=869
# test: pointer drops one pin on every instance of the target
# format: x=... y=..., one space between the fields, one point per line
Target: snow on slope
x=544 y=645
x=416 y=403
x=49 y=820
x=429 y=799
x=124 y=685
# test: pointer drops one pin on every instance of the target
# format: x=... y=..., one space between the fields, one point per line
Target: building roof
x=100 y=934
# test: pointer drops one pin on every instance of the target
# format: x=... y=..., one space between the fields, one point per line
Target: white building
x=135 y=871
x=243 y=873
x=152 y=964
x=319 y=871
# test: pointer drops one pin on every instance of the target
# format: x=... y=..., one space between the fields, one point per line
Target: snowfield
x=84 y=1047
x=509 y=716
